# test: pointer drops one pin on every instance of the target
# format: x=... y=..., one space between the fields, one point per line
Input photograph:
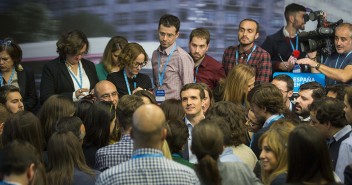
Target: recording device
x=322 y=38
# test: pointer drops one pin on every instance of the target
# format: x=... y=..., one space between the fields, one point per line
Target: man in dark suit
x=267 y=104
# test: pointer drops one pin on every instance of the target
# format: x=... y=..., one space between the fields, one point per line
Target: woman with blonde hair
x=110 y=62
x=274 y=152
x=237 y=84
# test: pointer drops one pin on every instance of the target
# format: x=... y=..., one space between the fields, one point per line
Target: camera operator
x=337 y=67
x=283 y=46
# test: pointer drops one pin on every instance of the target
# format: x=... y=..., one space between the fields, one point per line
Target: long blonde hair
x=235 y=83
x=115 y=43
x=277 y=138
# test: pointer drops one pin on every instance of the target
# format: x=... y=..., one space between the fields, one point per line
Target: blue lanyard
x=266 y=124
x=343 y=61
x=293 y=48
x=249 y=56
x=80 y=75
x=127 y=83
x=161 y=75
x=175 y=155
x=196 y=73
x=146 y=155
x=10 y=80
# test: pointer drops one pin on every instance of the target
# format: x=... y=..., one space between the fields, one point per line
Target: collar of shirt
x=342 y=132
x=188 y=123
x=204 y=62
x=285 y=32
x=307 y=119
x=247 y=52
x=143 y=151
x=168 y=50
x=126 y=137
x=228 y=156
x=269 y=120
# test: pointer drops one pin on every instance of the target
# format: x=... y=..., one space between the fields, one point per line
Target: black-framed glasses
x=136 y=64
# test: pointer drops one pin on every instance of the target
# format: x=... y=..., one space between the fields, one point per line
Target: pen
x=282 y=61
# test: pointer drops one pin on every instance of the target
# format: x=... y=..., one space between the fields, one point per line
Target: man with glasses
x=285 y=84
x=172 y=66
x=106 y=91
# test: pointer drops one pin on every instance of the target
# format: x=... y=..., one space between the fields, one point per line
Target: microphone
x=296 y=53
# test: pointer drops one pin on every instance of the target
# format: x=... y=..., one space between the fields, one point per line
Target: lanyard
x=10 y=80
x=128 y=84
x=74 y=77
x=293 y=48
x=175 y=155
x=162 y=74
x=266 y=124
x=269 y=122
x=196 y=73
x=146 y=155
x=249 y=56
x=343 y=61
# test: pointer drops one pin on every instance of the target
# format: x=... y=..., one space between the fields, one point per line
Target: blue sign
x=301 y=78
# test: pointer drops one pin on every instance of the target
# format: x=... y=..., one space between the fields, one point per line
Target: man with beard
x=283 y=46
x=248 y=52
x=337 y=67
x=206 y=68
x=267 y=104
x=308 y=92
x=192 y=98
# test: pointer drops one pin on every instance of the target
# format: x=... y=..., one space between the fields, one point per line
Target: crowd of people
x=197 y=121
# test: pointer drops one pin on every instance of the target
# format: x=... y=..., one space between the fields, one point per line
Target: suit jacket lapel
x=67 y=75
x=21 y=78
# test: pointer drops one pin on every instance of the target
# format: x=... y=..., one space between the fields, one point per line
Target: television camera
x=322 y=38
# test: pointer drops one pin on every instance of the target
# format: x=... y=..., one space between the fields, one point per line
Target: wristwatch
x=317 y=66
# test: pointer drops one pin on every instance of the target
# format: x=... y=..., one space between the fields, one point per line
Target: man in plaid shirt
x=248 y=52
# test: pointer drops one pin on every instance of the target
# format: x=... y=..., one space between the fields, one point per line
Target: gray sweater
x=237 y=173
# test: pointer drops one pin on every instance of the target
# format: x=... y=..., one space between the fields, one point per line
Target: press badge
x=160 y=95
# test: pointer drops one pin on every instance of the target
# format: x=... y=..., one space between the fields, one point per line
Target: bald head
x=106 y=91
x=148 y=129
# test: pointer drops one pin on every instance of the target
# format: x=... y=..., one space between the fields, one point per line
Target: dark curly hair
x=329 y=110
